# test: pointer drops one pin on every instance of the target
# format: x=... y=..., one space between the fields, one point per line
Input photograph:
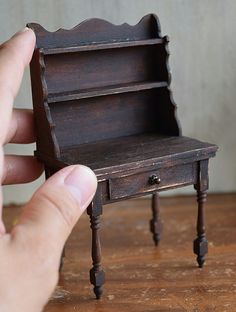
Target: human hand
x=30 y=254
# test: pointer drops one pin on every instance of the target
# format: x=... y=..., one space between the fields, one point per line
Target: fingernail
x=21 y=31
x=82 y=184
x=24 y=29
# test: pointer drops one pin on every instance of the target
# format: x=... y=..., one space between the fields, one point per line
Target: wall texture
x=203 y=63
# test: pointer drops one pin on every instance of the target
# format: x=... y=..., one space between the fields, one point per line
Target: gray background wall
x=203 y=63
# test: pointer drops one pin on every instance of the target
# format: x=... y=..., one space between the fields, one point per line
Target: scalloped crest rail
x=101 y=98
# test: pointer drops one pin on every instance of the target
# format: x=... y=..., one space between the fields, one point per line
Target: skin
x=30 y=253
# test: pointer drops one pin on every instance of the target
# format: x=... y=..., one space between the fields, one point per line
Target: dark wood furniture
x=101 y=98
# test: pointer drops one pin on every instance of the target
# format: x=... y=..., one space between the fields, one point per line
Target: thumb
x=54 y=209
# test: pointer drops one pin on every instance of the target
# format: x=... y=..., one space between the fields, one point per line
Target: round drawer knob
x=154 y=179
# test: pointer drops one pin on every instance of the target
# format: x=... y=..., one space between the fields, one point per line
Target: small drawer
x=145 y=182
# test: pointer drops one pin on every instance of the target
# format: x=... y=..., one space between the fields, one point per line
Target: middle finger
x=20 y=169
x=21 y=128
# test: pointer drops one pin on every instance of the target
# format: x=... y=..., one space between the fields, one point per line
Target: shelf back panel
x=83 y=70
x=108 y=88
x=112 y=116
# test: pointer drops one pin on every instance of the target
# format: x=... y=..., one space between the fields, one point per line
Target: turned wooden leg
x=156 y=223
x=200 y=244
x=49 y=172
x=97 y=274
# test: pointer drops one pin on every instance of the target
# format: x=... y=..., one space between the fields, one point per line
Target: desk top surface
x=139 y=151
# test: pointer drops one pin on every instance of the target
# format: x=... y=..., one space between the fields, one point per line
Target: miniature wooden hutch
x=101 y=98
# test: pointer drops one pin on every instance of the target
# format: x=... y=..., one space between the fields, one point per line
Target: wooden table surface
x=143 y=278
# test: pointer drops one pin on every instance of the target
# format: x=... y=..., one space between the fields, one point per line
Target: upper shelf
x=102 y=46
x=110 y=90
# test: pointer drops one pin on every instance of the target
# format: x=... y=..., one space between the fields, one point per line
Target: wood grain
x=134 y=152
x=141 y=277
x=101 y=68
x=147 y=28
x=104 y=101
x=89 y=86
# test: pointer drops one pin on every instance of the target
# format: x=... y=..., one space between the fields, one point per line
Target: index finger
x=15 y=54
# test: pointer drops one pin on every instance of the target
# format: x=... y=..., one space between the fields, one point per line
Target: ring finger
x=20 y=169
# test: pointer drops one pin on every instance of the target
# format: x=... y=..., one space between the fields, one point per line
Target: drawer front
x=154 y=180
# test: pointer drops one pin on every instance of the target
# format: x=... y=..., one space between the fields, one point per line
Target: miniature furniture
x=101 y=98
